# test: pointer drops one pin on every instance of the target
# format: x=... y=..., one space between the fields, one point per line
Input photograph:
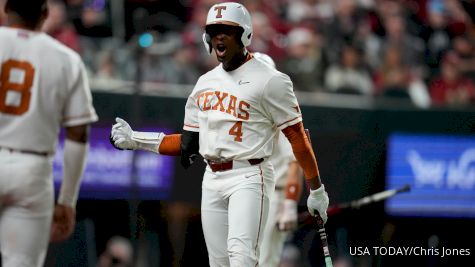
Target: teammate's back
x=38 y=77
x=43 y=86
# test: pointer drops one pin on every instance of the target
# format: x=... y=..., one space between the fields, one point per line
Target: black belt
x=43 y=154
x=228 y=165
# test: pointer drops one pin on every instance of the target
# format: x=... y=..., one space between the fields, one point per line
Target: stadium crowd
x=423 y=50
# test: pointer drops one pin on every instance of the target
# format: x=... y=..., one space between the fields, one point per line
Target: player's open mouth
x=220 y=50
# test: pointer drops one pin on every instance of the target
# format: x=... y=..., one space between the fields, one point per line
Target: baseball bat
x=321 y=227
x=356 y=204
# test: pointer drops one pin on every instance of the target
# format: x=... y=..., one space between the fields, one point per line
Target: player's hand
x=121 y=135
x=62 y=226
x=287 y=218
x=317 y=202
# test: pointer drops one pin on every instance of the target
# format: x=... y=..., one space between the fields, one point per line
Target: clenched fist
x=121 y=135
x=317 y=202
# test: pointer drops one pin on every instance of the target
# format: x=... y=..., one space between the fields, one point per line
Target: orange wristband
x=170 y=145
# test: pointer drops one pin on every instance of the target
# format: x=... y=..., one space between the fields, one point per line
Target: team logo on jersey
x=224 y=102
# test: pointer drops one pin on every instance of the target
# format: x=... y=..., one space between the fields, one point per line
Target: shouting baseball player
x=43 y=86
x=232 y=118
x=283 y=203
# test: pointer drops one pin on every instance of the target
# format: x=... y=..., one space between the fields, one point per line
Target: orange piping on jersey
x=192 y=126
x=170 y=145
x=288 y=121
x=302 y=150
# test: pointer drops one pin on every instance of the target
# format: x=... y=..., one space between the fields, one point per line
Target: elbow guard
x=189 y=148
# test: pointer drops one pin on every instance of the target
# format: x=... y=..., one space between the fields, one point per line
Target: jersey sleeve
x=78 y=108
x=280 y=102
x=191 y=113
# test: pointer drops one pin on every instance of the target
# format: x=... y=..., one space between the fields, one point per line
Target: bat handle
x=323 y=238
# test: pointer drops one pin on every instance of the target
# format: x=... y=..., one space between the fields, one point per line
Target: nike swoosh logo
x=241 y=82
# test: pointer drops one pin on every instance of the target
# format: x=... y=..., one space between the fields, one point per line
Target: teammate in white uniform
x=232 y=117
x=43 y=86
x=283 y=204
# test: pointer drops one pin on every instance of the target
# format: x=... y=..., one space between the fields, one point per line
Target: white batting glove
x=318 y=202
x=121 y=134
x=287 y=219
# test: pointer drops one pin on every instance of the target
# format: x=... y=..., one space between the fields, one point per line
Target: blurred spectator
x=118 y=253
x=305 y=62
x=451 y=88
x=437 y=37
x=310 y=11
x=192 y=36
x=342 y=28
x=459 y=21
x=393 y=76
x=273 y=10
x=93 y=20
x=370 y=44
x=57 y=26
x=397 y=35
x=395 y=79
x=107 y=66
x=349 y=76
x=183 y=65
x=464 y=47
x=265 y=39
x=170 y=60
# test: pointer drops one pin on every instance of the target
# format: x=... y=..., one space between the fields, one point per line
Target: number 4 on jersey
x=236 y=130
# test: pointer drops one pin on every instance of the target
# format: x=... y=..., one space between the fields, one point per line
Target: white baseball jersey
x=43 y=85
x=238 y=113
x=281 y=157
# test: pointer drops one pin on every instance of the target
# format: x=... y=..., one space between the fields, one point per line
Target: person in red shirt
x=450 y=87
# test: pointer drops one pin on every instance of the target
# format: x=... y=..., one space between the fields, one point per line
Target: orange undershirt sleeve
x=303 y=152
x=170 y=145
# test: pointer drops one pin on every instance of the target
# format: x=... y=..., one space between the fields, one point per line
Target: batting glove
x=287 y=219
x=317 y=202
x=124 y=138
x=121 y=135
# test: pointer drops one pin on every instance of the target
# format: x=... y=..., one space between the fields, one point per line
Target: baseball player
x=43 y=86
x=283 y=203
x=232 y=117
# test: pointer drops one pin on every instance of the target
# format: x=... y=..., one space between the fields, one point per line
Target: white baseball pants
x=234 y=210
x=273 y=241
x=26 y=206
